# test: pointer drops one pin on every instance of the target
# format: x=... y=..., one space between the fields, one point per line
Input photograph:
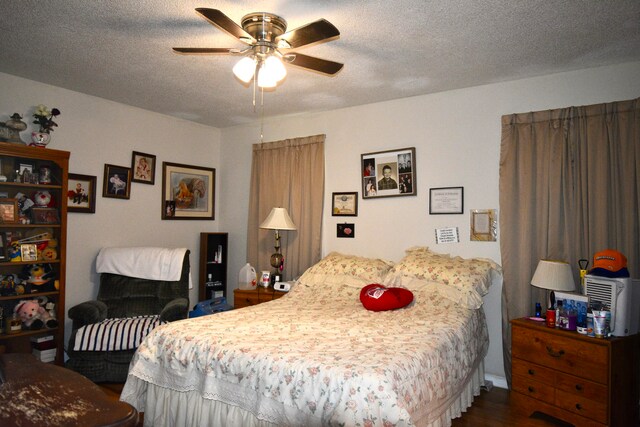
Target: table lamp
x=277 y=220
x=553 y=276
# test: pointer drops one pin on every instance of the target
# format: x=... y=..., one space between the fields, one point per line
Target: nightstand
x=245 y=298
x=582 y=380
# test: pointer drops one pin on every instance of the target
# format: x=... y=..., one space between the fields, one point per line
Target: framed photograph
x=29 y=252
x=577 y=302
x=484 y=225
x=346 y=230
x=143 y=166
x=389 y=173
x=191 y=188
x=45 y=216
x=117 y=182
x=26 y=173
x=446 y=200
x=8 y=210
x=81 y=193
x=344 y=204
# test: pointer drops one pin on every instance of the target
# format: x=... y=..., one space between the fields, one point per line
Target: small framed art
x=28 y=252
x=346 y=230
x=143 y=166
x=344 y=204
x=446 y=200
x=45 y=216
x=484 y=225
x=8 y=210
x=388 y=173
x=81 y=193
x=117 y=182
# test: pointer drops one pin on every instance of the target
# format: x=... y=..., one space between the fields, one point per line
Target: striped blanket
x=115 y=334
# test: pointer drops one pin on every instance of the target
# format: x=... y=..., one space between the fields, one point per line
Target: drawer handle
x=578 y=406
x=554 y=353
x=531 y=372
x=579 y=387
x=531 y=389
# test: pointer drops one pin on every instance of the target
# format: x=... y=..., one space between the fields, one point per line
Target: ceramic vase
x=40 y=139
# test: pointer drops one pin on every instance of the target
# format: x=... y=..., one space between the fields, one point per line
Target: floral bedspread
x=317 y=357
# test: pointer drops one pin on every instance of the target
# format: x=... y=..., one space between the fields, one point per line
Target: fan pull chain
x=262 y=116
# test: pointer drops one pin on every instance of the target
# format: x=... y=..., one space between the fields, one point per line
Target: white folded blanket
x=142 y=262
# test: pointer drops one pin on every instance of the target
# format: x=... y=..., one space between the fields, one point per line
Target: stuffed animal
x=33 y=315
x=39 y=275
x=43 y=199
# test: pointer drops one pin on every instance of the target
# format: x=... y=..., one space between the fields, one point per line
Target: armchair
x=122 y=298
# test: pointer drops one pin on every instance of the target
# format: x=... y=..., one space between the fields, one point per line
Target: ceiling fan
x=266 y=37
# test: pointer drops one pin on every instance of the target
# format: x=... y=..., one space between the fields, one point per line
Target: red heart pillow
x=376 y=297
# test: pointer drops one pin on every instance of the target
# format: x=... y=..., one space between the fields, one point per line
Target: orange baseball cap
x=609 y=263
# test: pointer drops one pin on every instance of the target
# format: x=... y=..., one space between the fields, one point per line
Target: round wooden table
x=43 y=394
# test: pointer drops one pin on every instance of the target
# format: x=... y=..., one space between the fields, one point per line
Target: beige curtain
x=569 y=187
x=288 y=174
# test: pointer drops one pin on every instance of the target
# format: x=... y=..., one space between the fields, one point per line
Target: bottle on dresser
x=559 y=313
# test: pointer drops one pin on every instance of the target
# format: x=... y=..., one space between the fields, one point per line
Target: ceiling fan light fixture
x=271 y=72
x=245 y=69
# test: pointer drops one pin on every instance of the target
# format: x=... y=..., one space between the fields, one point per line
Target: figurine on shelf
x=10 y=130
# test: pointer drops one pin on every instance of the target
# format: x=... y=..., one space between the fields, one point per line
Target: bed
x=317 y=357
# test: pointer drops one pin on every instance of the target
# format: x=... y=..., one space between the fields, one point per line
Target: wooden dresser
x=582 y=380
x=245 y=298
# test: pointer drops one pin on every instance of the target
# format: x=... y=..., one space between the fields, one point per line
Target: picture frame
x=191 y=188
x=446 y=200
x=484 y=225
x=81 y=193
x=344 y=204
x=28 y=252
x=45 y=216
x=346 y=230
x=117 y=182
x=143 y=167
x=8 y=210
x=575 y=301
x=388 y=173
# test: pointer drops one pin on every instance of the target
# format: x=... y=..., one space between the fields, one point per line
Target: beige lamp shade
x=553 y=275
x=278 y=219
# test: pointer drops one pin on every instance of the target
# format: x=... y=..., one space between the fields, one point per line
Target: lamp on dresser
x=277 y=220
x=553 y=276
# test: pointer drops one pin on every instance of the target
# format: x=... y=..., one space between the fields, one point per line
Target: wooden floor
x=490 y=409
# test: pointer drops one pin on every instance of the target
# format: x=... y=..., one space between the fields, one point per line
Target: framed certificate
x=446 y=200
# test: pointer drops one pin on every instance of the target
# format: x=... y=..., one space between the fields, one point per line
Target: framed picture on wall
x=117 y=182
x=190 y=188
x=389 y=173
x=143 y=167
x=344 y=204
x=81 y=193
x=446 y=200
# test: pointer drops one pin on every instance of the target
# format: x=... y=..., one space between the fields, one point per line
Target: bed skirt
x=166 y=407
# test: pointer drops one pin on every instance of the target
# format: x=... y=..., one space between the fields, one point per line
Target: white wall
x=457 y=140
x=96 y=132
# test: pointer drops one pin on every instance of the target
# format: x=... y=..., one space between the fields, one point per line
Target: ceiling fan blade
x=225 y=23
x=203 y=50
x=320 y=30
x=312 y=63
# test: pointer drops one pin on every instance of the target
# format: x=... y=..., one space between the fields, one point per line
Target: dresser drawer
x=595 y=410
x=243 y=299
x=575 y=356
x=581 y=387
x=534 y=389
x=533 y=371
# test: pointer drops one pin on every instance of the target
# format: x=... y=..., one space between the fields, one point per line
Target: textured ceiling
x=121 y=49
